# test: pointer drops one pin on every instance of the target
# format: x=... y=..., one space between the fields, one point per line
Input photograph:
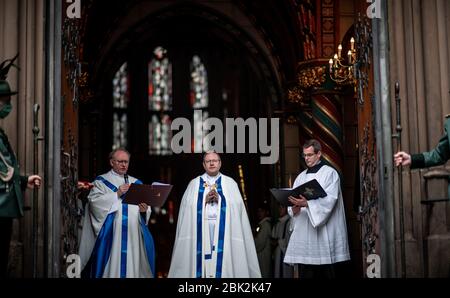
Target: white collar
x=211 y=179
x=115 y=174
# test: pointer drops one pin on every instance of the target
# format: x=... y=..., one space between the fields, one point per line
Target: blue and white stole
x=223 y=208
x=102 y=248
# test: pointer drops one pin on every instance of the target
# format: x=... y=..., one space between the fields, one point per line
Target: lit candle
x=331 y=65
x=352 y=43
x=339 y=51
x=349 y=57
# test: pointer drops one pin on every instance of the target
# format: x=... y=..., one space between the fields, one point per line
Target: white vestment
x=115 y=240
x=232 y=253
x=320 y=232
x=281 y=233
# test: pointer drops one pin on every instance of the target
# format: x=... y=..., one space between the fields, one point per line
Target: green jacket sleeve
x=435 y=157
x=23 y=182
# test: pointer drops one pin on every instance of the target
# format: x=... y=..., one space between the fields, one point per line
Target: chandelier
x=342 y=70
x=355 y=67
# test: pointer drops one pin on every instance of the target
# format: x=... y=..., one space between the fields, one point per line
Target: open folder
x=154 y=195
x=311 y=190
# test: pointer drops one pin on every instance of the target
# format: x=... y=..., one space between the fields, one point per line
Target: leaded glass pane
x=199 y=133
x=120 y=133
x=120 y=88
x=199 y=84
x=160 y=135
x=160 y=81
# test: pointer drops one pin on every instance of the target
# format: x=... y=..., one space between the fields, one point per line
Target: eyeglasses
x=125 y=162
x=308 y=155
x=212 y=161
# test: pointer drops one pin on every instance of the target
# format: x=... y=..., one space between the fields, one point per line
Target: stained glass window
x=199 y=84
x=199 y=99
x=160 y=102
x=120 y=105
x=160 y=135
x=119 y=130
x=120 y=88
x=160 y=81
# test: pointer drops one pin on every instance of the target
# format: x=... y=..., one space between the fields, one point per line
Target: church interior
x=244 y=73
x=111 y=74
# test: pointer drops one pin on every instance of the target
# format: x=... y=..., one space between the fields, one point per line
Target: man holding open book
x=115 y=240
x=319 y=238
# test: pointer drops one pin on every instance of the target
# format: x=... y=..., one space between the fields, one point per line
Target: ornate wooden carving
x=71 y=210
x=368 y=210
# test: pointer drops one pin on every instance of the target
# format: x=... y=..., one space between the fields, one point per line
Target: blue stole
x=102 y=249
x=223 y=208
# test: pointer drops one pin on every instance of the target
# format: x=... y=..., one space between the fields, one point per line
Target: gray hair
x=111 y=155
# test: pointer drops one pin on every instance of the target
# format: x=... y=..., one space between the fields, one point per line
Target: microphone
x=125 y=176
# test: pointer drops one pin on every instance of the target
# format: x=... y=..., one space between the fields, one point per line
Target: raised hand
x=123 y=189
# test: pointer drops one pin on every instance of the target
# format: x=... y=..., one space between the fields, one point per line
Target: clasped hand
x=212 y=196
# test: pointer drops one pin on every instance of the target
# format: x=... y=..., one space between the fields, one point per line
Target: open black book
x=311 y=190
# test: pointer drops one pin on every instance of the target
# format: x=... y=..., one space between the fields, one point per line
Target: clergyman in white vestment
x=319 y=237
x=115 y=240
x=213 y=237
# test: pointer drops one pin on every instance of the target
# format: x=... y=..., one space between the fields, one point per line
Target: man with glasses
x=213 y=237
x=319 y=237
x=115 y=240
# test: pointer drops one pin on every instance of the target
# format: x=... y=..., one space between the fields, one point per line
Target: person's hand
x=300 y=202
x=34 y=181
x=122 y=189
x=402 y=158
x=143 y=207
x=84 y=185
x=212 y=196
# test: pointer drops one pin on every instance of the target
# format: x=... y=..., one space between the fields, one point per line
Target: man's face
x=120 y=162
x=311 y=158
x=212 y=164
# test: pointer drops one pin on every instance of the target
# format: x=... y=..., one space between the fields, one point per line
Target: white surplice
x=128 y=256
x=319 y=231
x=232 y=251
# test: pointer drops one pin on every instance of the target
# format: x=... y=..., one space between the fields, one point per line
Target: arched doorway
x=124 y=109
